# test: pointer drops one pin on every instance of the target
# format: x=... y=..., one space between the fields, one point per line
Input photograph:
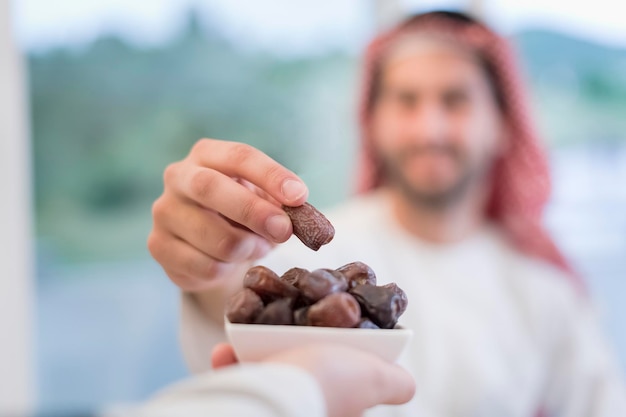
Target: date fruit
x=403 y=300
x=293 y=275
x=310 y=225
x=320 y=283
x=381 y=305
x=268 y=285
x=278 y=312
x=336 y=310
x=244 y=307
x=344 y=297
x=358 y=273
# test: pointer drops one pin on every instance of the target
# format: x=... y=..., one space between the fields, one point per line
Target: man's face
x=436 y=125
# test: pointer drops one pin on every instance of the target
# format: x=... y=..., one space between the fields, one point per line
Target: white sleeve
x=585 y=380
x=198 y=334
x=260 y=390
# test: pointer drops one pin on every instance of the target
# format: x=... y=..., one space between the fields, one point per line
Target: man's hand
x=351 y=380
x=219 y=211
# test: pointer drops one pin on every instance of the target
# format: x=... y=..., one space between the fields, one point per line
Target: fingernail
x=293 y=190
x=277 y=226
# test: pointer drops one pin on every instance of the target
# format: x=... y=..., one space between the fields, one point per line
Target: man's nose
x=429 y=123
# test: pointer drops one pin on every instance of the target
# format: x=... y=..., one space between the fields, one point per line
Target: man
x=452 y=183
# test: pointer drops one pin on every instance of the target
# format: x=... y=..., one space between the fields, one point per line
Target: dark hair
x=456 y=16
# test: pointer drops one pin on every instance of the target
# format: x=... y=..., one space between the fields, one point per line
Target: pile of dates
x=344 y=297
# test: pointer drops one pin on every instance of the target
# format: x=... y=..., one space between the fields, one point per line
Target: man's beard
x=440 y=199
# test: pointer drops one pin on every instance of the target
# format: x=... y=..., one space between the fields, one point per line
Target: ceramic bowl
x=254 y=342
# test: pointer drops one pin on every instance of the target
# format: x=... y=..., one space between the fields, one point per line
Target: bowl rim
x=314 y=329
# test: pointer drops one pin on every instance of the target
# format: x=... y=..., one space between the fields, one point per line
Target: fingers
x=395 y=385
x=221 y=208
x=378 y=382
x=239 y=160
x=384 y=382
x=186 y=266
x=223 y=355
x=211 y=233
x=351 y=380
x=216 y=191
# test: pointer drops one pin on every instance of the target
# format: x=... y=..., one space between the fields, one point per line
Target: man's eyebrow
x=459 y=85
x=463 y=88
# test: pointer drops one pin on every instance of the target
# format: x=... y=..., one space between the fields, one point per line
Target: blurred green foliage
x=578 y=88
x=108 y=118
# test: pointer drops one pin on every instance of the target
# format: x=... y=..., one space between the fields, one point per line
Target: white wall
x=16 y=261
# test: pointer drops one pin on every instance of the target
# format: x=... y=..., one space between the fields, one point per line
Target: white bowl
x=254 y=342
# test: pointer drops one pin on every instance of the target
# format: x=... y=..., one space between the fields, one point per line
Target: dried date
x=301 y=316
x=278 y=312
x=320 y=283
x=403 y=299
x=358 y=273
x=244 y=307
x=293 y=275
x=268 y=285
x=381 y=305
x=342 y=297
x=336 y=310
x=310 y=225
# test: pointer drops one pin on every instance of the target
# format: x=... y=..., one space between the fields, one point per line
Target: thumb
x=222 y=355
